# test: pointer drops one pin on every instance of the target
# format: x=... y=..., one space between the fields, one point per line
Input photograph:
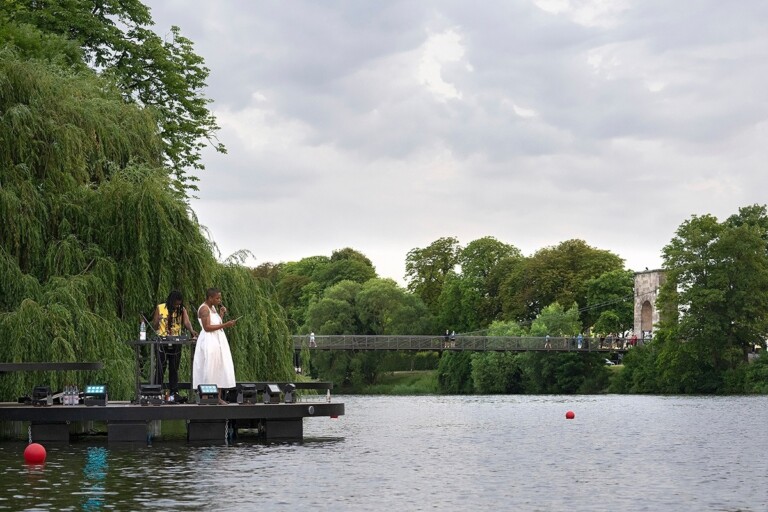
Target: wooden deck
x=131 y=422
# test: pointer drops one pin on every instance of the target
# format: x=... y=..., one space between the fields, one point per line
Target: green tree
x=717 y=277
x=300 y=284
x=331 y=316
x=335 y=312
x=610 y=302
x=480 y=257
x=459 y=305
x=498 y=283
x=609 y=322
x=555 y=321
x=411 y=316
x=454 y=373
x=427 y=268
x=268 y=271
x=296 y=289
x=385 y=308
x=378 y=306
x=164 y=75
x=505 y=328
x=289 y=294
x=92 y=227
x=497 y=373
x=554 y=274
x=639 y=374
x=479 y=261
x=349 y=371
x=344 y=265
x=344 y=290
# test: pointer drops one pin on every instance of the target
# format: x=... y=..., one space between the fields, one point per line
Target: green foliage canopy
x=554 y=274
x=714 y=301
x=427 y=268
x=610 y=302
x=377 y=306
x=718 y=279
x=164 y=75
x=556 y=321
x=94 y=233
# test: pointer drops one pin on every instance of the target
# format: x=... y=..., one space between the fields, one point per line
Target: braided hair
x=174 y=311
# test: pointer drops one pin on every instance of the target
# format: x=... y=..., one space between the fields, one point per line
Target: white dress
x=213 y=359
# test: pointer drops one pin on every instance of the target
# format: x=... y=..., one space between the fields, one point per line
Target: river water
x=620 y=453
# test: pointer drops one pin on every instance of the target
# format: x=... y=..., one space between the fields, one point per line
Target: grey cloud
x=618 y=152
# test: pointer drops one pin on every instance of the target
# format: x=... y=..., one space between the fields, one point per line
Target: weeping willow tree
x=163 y=73
x=94 y=233
x=260 y=342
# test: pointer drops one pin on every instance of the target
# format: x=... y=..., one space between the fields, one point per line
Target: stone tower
x=647 y=284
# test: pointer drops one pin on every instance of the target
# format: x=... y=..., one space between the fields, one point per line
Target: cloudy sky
x=385 y=125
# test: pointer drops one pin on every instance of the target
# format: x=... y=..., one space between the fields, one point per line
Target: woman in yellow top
x=168 y=320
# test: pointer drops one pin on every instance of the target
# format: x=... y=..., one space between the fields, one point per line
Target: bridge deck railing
x=459 y=343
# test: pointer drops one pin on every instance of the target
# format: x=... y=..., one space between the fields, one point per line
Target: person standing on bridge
x=312 y=340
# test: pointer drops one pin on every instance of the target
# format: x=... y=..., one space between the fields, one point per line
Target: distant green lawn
x=422 y=382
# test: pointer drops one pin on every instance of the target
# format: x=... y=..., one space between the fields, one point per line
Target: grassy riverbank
x=420 y=382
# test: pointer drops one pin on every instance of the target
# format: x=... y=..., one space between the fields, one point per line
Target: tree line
x=486 y=286
x=714 y=306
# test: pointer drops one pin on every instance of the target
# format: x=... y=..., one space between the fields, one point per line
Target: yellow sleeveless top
x=162 y=330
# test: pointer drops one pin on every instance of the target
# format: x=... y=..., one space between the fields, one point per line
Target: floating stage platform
x=139 y=421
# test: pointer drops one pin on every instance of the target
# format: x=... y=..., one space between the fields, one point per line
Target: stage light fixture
x=290 y=393
x=95 y=394
x=272 y=394
x=151 y=394
x=41 y=395
x=208 y=394
x=247 y=393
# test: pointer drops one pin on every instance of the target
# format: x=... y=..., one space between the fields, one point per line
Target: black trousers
x=170 y=356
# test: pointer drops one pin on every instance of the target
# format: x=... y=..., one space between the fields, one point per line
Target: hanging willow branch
x=95 y=234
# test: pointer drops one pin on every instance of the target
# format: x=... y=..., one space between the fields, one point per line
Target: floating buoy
x=570 y=415
x=35 y=453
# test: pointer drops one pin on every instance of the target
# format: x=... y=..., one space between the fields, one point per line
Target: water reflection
x=94 y=476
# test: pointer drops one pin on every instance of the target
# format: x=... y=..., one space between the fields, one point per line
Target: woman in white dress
x=213 y=359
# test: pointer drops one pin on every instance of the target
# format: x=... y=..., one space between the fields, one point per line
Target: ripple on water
x=434 y=453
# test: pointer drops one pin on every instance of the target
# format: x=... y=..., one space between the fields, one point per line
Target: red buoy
x=570 y=415
x=35 y=453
